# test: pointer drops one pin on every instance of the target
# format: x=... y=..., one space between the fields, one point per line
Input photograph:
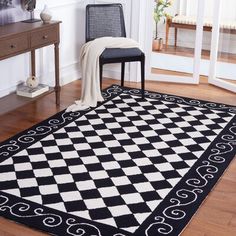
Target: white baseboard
x=113 y=74
x=68 y=74
x=5 y=92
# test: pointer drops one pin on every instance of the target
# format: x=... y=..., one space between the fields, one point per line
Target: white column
x=141 y=29
x=182 y=7
x=215 y=40
x=134 y=34
x=198 y=42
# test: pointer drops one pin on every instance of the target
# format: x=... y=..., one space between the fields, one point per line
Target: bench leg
x=176 y=35
x=167 y=33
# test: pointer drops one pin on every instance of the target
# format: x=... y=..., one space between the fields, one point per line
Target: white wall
x=72 y=14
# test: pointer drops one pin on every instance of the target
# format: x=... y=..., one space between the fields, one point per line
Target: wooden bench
x=187 y=22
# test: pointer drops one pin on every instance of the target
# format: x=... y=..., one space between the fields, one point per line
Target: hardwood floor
x=216 y=216
x=189 y=52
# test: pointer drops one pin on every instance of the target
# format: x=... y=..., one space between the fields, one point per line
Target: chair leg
x=143 y=76
x=100 y=74
x=122 y=73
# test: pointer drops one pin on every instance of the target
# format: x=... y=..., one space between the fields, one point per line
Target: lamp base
x=31 y=20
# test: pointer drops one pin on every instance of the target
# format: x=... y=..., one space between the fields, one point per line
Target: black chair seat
x=111 y=55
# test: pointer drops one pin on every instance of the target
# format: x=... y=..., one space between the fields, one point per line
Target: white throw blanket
x=89 y=59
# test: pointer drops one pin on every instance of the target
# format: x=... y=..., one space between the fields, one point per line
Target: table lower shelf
x=13 y=101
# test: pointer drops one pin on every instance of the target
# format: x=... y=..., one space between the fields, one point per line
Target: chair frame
x=103 y=61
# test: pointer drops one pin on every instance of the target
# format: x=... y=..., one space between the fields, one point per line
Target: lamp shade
x=29 y=5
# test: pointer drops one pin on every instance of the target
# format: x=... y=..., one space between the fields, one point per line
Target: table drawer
x=44 y=37
x=13 y=45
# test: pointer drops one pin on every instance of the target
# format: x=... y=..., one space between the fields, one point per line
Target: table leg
x=33 y=63
x=57 y=83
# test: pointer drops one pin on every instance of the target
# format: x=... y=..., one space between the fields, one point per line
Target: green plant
x=159 y=12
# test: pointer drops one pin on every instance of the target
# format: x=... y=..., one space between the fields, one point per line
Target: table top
x=20 y=27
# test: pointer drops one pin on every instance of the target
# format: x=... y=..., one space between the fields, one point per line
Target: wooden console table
x=18 y=38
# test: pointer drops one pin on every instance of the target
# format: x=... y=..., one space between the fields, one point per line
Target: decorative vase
x=157 y=44
x=46 y=15
x=32 y=82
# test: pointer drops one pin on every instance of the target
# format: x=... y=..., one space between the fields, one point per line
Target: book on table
x=25 y=91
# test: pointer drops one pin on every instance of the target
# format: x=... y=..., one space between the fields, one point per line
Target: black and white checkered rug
x=128 y=167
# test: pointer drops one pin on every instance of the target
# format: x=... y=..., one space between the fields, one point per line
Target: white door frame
x=197 y=53
x=212 y=79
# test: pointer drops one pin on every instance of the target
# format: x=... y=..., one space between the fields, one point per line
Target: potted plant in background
x=159 y=14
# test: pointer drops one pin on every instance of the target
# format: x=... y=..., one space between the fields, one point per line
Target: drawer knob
x=45 y=36
x=13 y=46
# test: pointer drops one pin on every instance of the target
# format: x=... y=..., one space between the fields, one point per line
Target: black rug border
x=158 y=223
x=50 y=220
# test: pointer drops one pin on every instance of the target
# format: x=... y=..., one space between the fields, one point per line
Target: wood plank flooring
x=216 y=216
x=189 y=52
